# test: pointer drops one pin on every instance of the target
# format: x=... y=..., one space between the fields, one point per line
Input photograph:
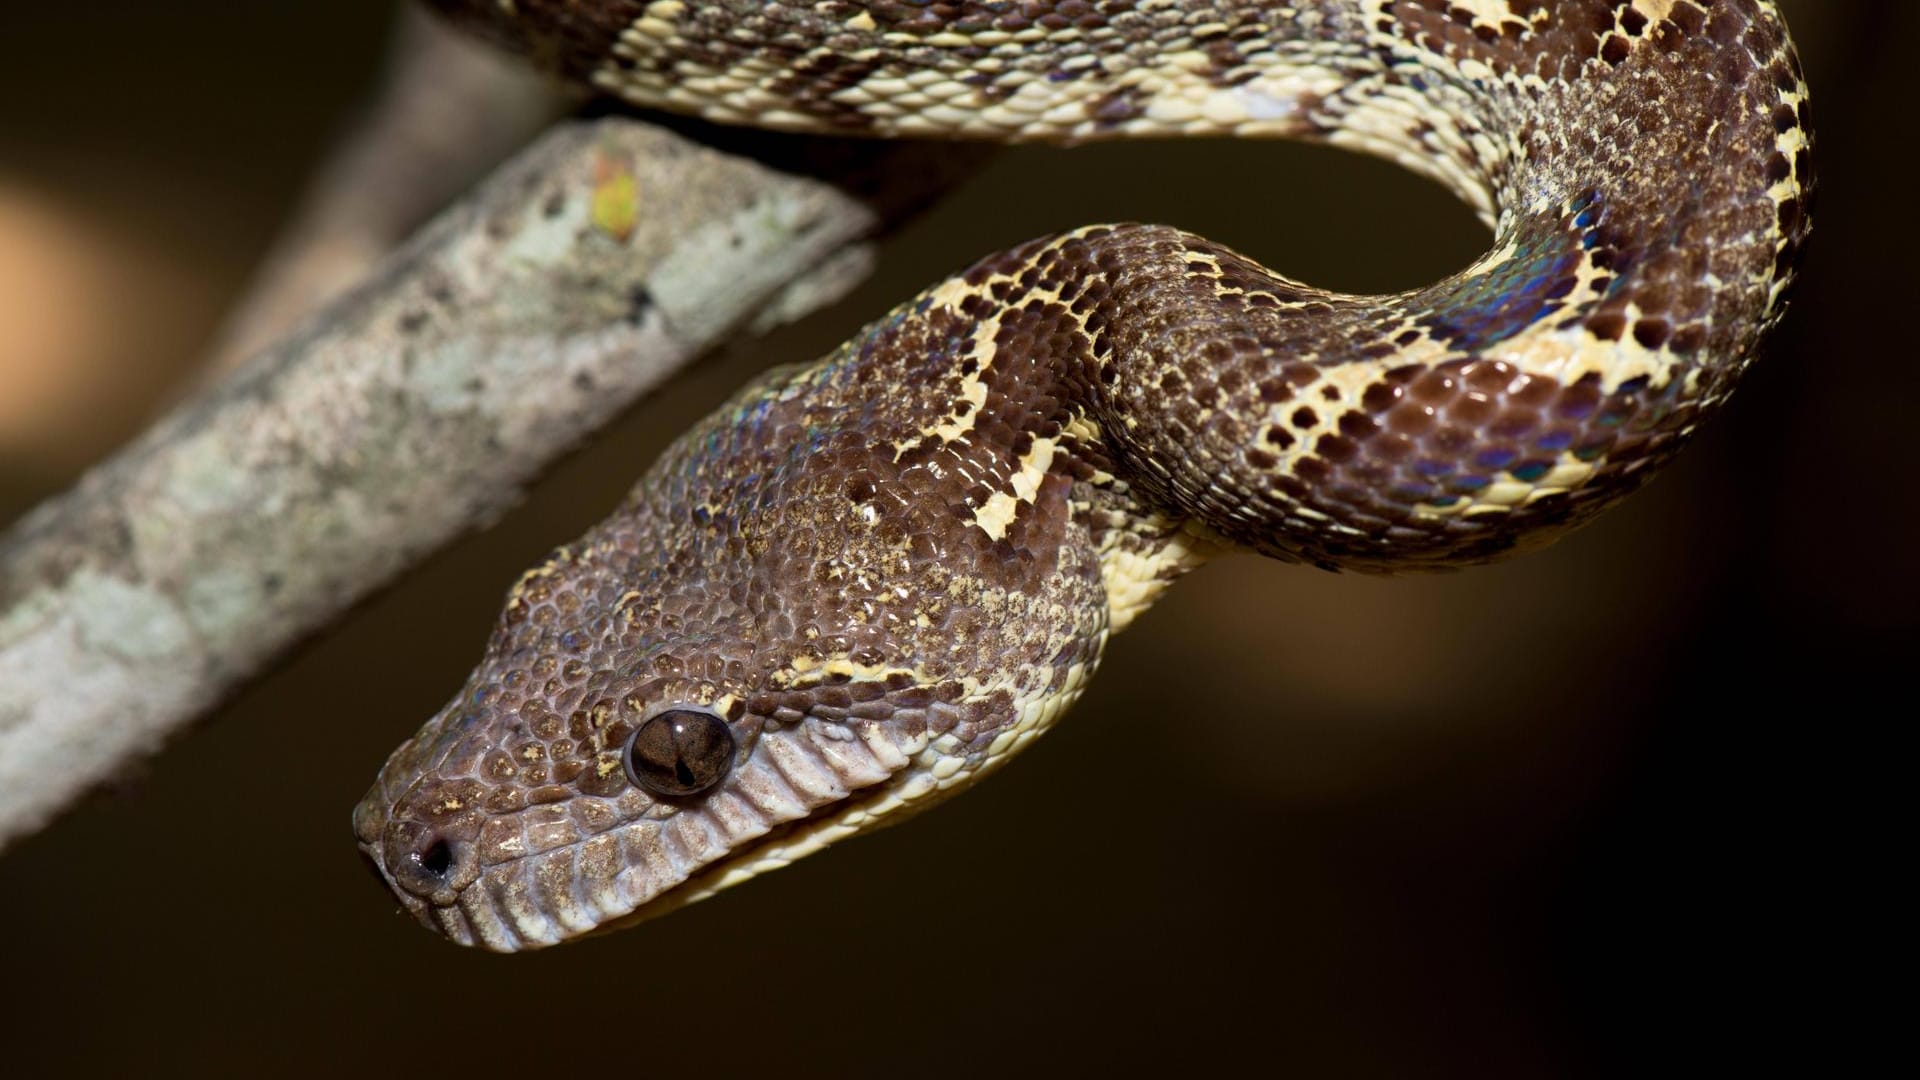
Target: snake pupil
x=680 y=752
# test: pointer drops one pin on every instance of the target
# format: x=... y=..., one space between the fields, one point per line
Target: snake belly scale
x=866 y=582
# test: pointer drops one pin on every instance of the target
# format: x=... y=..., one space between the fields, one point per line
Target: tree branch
x=417 y=406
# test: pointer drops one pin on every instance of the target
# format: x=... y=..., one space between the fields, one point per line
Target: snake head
x=564 y=828
x=684 y=698
x=527 y=841
x=561 y=794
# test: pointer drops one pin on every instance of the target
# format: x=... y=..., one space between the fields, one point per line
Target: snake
x=867 y=582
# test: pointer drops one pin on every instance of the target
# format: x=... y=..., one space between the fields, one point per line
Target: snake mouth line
x=778 y=847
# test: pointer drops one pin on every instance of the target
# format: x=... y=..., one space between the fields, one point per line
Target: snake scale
x=866 y=582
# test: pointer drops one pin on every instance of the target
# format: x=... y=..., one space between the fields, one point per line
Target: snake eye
x=680 y=752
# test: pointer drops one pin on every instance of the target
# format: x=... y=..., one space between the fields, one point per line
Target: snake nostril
x=436 y=858
x=427 y=862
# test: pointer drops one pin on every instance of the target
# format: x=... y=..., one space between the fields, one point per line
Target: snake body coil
x=865 y=582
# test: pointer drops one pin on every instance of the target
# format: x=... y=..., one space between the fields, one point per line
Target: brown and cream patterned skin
x=890 y=569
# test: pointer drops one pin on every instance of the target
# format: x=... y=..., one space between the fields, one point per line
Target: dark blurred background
x=1610 y=807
